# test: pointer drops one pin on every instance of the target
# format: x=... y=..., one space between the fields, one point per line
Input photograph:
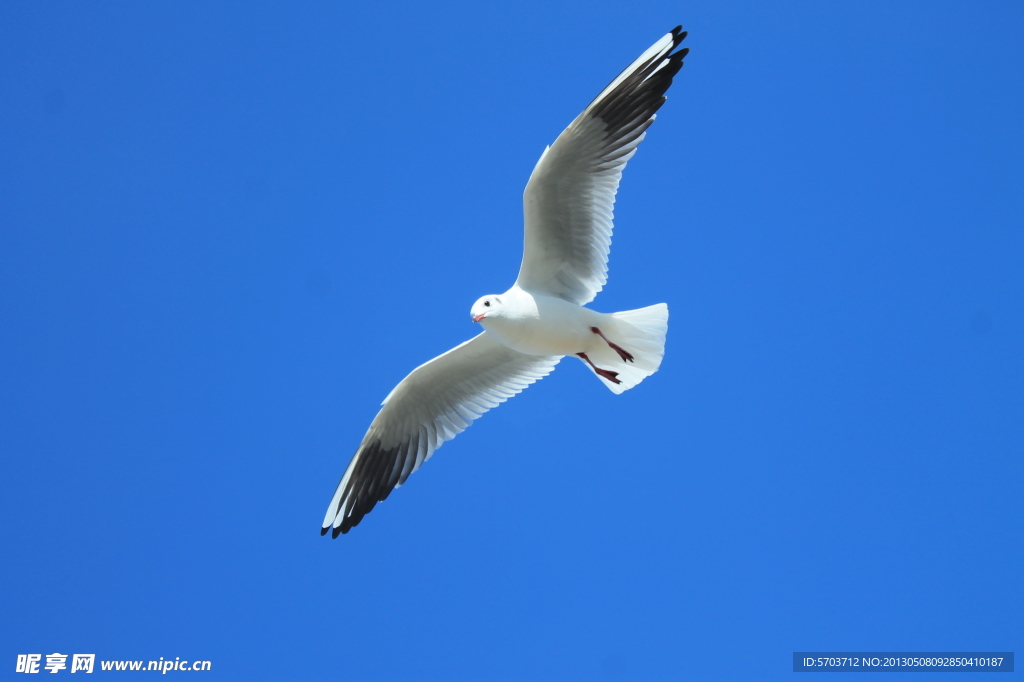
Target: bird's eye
x=487 y=303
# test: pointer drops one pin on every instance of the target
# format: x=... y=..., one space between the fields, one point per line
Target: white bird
x=529 y=328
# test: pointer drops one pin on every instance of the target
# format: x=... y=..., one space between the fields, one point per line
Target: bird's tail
x=640 y=333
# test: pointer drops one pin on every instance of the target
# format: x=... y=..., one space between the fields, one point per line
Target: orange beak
x=477 y=318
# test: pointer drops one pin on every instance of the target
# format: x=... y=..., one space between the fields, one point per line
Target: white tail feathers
x=639 y=332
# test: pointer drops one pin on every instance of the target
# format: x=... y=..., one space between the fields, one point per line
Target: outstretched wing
x=569 y=198
x=437 y=401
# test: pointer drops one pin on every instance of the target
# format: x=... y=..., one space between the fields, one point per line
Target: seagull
x=528 y=329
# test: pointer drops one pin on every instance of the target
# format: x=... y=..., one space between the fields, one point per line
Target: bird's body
x=542 y=318
x=538 y=324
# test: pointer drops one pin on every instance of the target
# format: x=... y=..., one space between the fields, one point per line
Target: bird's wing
x=569 y=198
x=437 y=401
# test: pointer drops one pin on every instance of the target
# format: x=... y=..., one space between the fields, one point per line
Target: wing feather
x=569 y=200
x=436 y=402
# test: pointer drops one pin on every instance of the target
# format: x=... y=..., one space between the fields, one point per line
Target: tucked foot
x=606 y=373
x=624 y=354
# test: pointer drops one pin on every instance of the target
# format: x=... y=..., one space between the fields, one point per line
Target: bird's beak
x=477 y=318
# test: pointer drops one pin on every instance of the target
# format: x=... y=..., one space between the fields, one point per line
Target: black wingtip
x=323 y=531
x=678 y=36
x=335 y=533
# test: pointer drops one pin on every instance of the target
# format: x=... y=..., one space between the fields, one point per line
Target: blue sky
x=227 y=230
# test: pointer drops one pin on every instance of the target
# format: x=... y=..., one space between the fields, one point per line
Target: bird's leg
x=606 y=373
x=624 y=354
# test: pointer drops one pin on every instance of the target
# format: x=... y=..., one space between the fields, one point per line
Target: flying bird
x=528 y=329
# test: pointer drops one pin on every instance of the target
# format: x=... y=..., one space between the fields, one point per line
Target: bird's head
x=488 y=306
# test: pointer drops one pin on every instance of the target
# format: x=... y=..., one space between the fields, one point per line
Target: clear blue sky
x=228 y=229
